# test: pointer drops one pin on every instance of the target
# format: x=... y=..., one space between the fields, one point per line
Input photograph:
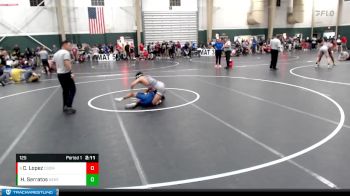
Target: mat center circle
x=172 y=92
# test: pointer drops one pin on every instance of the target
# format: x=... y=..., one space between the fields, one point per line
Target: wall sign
x=324 y=12
x=207 y=52
x=105 y=57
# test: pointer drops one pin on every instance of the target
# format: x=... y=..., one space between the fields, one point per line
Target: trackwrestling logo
x=23 y=192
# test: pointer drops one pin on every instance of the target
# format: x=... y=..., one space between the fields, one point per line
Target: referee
x=276 y=46
x=63 y=61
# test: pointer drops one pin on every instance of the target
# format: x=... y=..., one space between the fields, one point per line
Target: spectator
x=141 y=47
x=313 y=43
x=228 y=51
x=100 y=49
x=261 y=43
x=44 y=57
x=75 y=53
x=144 y=55
x=254 y=45
x=172 y=50
x=339 y=44
x=28 y=54
x=152 y=51
x=149 y=47
x=111 y=48
x=157 y=49
x=16 y=51
x=95 y=52
x=3 y=56
x=245 y=46
x=18 y=75
x=163 y=49
x=4 y=77
x=127 y=50
x=187 y=50
x=87 y=49
x=105 y=49
x=36 y=59
x=219 y=46
x=194 y=46
x=344 y=56
x=54 y=49
x=289 y=44
x=309 y=43
x=178 y=49
x=132 y=52
x=344 y=42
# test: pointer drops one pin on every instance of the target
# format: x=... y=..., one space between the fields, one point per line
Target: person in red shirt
x=141 y=47
x=344 y=42
x=146 y=54
x=75 y=54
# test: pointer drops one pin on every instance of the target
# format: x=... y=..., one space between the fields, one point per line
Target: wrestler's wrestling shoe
x=130 y=106
x=119 y=99
x=317 y=65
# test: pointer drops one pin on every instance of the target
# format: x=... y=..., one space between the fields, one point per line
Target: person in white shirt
x=95 y=53
x=228 y=51
x=276 y=46
x=44 y=56
x=339 y=48
x=344 y=56
x=63 y=61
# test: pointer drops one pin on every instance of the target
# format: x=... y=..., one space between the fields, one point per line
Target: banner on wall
x=106 y=57
x=325 y=13
x=123 y=40
x=206 y=52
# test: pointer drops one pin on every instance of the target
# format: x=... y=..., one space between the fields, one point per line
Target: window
x=37 y=3
x=278 y=3
x=97 y=2
x=175 y=3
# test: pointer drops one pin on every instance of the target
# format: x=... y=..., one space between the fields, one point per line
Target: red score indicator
x=92 y=168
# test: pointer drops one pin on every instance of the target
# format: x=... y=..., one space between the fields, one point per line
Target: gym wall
x=229 y=16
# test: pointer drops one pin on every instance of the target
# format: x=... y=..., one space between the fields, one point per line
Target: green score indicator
x=92 y=180
x=92 y=174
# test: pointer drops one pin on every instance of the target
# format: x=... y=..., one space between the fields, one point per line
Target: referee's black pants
x=274 y=58
x=68 y=87
x=218 y=56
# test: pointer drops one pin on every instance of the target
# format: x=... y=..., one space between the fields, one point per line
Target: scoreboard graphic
x=44 y=170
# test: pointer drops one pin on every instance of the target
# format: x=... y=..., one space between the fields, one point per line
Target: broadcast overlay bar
x=57 y=170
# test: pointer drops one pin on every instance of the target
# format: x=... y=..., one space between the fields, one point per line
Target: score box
x=57 y=170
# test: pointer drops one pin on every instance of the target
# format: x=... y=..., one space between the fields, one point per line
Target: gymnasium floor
x=248 y=128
